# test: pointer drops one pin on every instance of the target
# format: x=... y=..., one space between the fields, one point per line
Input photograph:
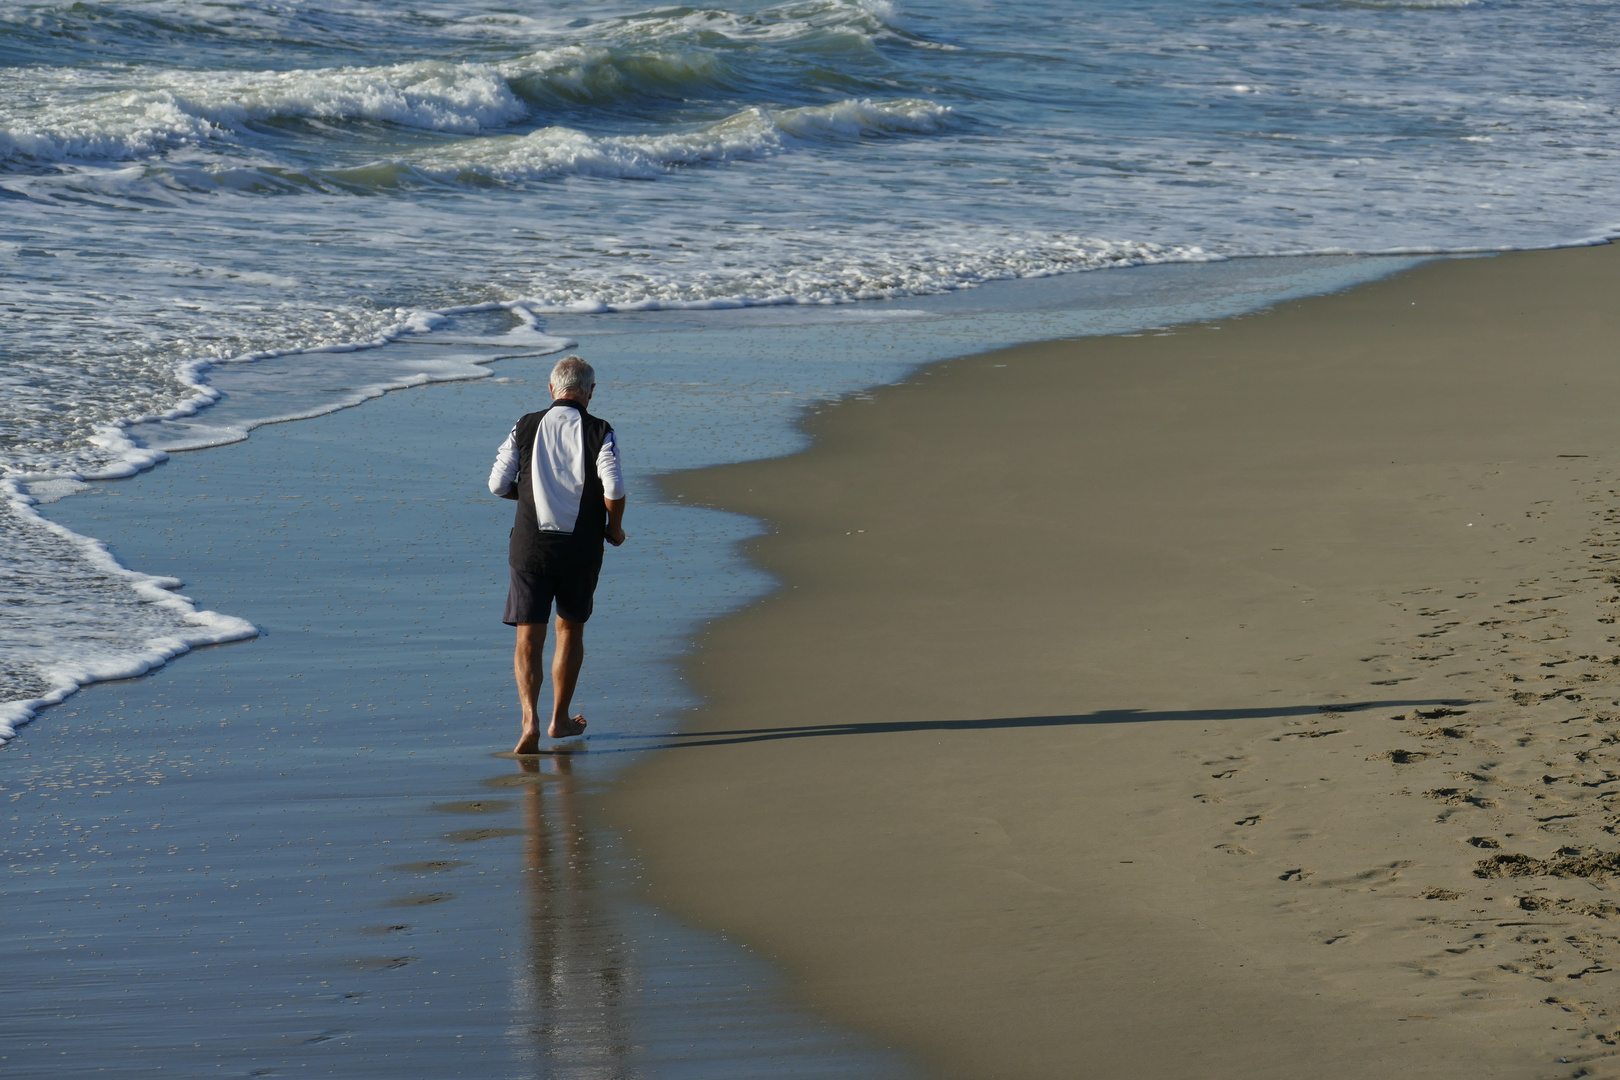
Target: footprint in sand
x=1233 y=849
x=1437 y=893
x=1443 y=733
x=1252 y=819
x=1459 y=797
x=1231 y=762
x=1372 y=879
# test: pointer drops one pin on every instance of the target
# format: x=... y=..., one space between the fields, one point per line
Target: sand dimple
x=1402 y=757
x=431 y=866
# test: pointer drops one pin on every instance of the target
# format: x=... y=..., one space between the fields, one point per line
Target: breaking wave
x=752 y=133
x=671 y=55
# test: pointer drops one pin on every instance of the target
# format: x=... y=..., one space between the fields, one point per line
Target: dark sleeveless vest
x=534 y=551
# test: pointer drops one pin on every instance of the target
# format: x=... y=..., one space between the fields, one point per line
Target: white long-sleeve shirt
x=558 y=468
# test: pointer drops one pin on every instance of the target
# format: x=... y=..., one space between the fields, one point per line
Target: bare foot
x=530 y=742
x=563 y=729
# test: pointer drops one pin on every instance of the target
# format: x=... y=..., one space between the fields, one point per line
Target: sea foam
x=100 y=620
x=104 y=622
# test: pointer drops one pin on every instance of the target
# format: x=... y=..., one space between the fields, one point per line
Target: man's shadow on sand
x=1437 y=707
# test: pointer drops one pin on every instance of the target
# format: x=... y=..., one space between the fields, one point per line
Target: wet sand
x=1153 y=705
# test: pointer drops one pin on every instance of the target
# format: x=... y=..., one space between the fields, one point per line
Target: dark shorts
x=530 y=596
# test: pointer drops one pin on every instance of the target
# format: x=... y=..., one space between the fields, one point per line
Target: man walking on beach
x=561 y=464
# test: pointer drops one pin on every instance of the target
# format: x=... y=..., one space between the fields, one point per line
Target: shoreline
x=1341 y=507
x=762 y=350
x=306 y=852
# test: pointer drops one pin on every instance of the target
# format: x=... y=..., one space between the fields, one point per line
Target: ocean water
x=215 y=213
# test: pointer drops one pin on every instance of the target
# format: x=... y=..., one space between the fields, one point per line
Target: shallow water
x=301 y=854
x=298 y=852
x=190 y=182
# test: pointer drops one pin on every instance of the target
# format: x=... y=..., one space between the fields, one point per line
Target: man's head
x=572 y=378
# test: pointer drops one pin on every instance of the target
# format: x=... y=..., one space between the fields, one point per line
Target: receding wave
x=872 y=266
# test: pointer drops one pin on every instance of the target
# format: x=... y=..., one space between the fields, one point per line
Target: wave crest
x=752 y=133
x=596 y=75
x=545 y=154
x=188 y=108
x=459 y=99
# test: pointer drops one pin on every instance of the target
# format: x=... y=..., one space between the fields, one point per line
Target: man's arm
x=607 y=468
x=504 y=472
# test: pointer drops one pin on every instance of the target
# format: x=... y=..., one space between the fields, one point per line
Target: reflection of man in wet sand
x=571 y=989
x=561 y=464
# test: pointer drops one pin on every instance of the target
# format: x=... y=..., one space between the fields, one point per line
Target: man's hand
x=613 y=531
x=615 y=535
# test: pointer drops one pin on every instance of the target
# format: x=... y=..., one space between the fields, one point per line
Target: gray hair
x=571 y=376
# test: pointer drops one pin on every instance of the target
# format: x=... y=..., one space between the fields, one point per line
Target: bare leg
x=526 y=665
x=565 y=663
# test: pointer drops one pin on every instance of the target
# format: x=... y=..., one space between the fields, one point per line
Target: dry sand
x=1150 y=706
